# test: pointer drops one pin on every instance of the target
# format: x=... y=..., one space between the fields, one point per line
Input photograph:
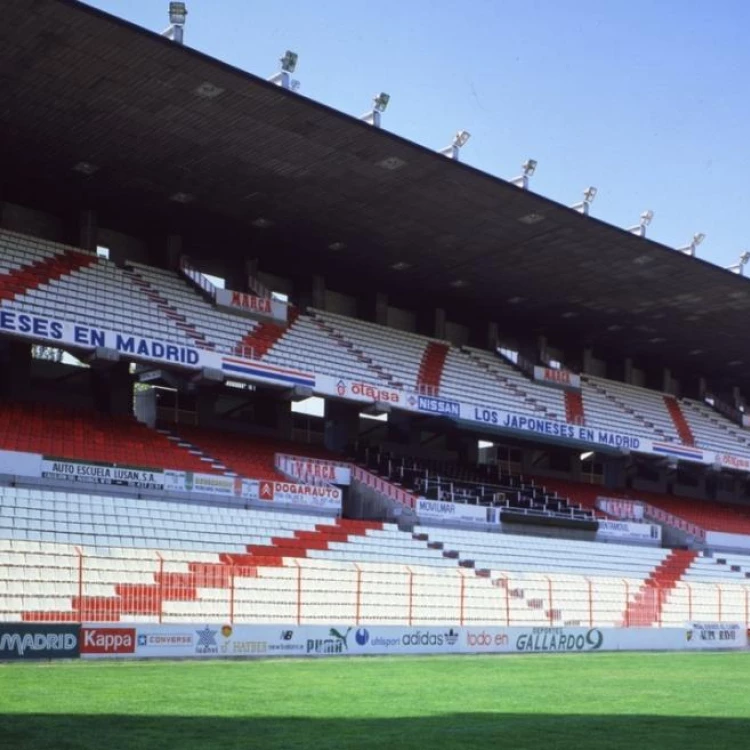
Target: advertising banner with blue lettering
x=55 y=332
x=217 y=640
x=549 y=428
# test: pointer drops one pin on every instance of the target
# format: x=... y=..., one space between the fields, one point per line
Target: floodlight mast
x=379 y=105
x=698 y=237
x=645 y=220
x=588 y=198
x=177 y=17
x=739 y=267
x=459 y=141
x=522 y=181
x=284 y=77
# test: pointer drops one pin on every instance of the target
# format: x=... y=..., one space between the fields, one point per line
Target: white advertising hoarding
x=216 y=640
x=446 y=511
x=629 y=531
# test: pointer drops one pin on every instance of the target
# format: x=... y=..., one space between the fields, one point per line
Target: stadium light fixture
x=379 y=105
x=739 y=267
x=177 y=17
x=640 y=228
x=459 y=141
x=588 y=198
x=690 y=249
x=522 y=181
x=284 y=77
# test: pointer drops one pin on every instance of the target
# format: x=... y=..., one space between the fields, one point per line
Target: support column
x=173 y=251
x=341 y=425
x=440 y=320
x=112 y=388
x=88 y=230
x=493 y=336
x=15 y=369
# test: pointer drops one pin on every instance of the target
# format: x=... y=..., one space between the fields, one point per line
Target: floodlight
x=739 y=267
x=177 y=18
x=289 y=61
x=379 y=105
x=586 y=455
x=645 y=220
x=528 y=168
x=284 y=77
x=177 y=13
x=698 y=237
x=459 y=141
x=461 y=138
x=380 y=102
x=588 y=198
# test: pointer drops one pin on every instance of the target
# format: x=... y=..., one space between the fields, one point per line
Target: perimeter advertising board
x=216 y=640
x=26 y=641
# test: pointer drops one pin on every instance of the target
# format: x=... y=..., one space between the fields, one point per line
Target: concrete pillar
x=614 y=471
x=15 y=369
x=274 y=414
x=493 y=336
x=112 y=389
x=666 y=380
x=381 y=308
x=341 y=425
x=318 y=292
x=402 y=428
x=173 y=251
x=587 y=357
x=88 y=230
x=628 y=370
x=440 y=320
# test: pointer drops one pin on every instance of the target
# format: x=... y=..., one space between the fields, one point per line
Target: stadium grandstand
x=267 y=363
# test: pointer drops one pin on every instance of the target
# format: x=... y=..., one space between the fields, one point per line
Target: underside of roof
x=155 y=120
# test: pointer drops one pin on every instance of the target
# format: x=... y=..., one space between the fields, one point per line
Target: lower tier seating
x=77 y=434
x=70 y=557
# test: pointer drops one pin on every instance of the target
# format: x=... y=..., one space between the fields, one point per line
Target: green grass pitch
x=555 y=702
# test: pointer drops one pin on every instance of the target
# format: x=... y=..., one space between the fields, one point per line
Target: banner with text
x=216 y=640
x=314 y=470
x=629 y=531
x=100 y=473
x=557 y=378
x=325 y=497
x=456 y=512
x=248 y=304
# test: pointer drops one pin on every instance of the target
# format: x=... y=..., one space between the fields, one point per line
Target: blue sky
x=645 y=100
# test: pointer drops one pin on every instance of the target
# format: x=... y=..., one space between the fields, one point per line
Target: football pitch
x=581 y=701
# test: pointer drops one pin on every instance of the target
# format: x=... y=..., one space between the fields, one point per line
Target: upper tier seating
x=713 y=430
x=398 y=352
x=647 y=406
x=99 y=293
x=159 y=304
x=222 y=329
x=89 y=436
x=307 y=346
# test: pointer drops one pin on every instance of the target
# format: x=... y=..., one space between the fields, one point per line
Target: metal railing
x=94 y=587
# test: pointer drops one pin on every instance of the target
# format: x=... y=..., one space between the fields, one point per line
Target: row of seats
x=331 y=344
x=78 y=434
x=70 y=555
